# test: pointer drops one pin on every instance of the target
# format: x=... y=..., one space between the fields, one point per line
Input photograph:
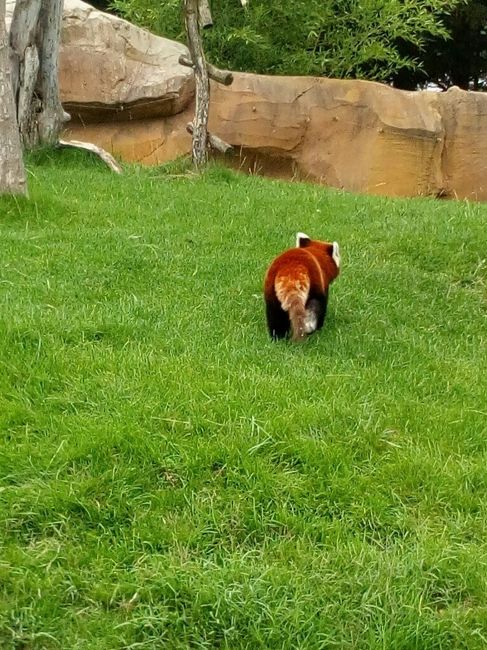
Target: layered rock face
x=357 y=135
x=127 y=93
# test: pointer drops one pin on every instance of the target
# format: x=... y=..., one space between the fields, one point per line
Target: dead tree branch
x=93 y=148
x=214 y=141
x=205 y=19
x=224 y=77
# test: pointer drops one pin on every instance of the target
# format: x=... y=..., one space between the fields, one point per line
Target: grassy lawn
x=171 y=478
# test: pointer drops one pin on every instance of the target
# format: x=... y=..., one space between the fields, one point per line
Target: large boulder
x=110 y=69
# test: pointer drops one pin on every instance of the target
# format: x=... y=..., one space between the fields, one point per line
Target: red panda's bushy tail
x=292 y=292
x=297 y=315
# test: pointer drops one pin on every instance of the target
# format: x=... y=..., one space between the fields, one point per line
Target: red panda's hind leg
x=277 y=319
x=318 y=303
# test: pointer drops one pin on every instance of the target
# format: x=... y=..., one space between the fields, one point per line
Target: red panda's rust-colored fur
x=296 y=287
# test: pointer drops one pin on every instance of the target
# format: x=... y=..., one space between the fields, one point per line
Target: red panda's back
x=292 y=266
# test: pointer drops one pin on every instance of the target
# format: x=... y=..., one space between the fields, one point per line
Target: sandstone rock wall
x=356 y=135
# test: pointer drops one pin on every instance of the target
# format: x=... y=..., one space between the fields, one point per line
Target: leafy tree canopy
x=461 y=60
x=336 y=38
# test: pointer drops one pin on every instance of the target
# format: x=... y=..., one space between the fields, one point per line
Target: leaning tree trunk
x=35 y=34
x=12 y=173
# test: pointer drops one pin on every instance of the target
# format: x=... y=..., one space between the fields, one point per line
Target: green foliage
x=460 y=60
x=337 y=38
x=170 y=478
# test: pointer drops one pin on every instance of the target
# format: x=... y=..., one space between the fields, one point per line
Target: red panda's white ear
x=336 y=254
x=302 y=240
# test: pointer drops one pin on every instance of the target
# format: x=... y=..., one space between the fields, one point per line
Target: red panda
x=296 y=287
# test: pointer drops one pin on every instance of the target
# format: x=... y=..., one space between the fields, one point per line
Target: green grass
x=171 y=478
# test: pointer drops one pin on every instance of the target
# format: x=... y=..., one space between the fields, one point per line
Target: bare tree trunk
x=200 y=123
x=52 y=115
x=25 y=67
x=35 y=34
x=12 y=172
